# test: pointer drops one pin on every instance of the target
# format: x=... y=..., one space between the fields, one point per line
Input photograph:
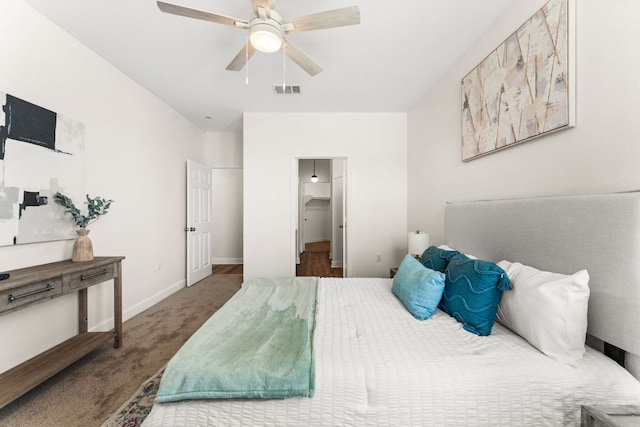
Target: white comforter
x=378 y=366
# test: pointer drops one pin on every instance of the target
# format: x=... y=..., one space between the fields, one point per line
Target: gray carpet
x=89 y=391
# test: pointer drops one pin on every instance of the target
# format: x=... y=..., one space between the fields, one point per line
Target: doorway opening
x=321 y=217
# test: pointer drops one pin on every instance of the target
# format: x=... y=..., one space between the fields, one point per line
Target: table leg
x=117 y=306
x=82 y=311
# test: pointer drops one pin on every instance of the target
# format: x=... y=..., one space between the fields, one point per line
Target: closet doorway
x=321 y=217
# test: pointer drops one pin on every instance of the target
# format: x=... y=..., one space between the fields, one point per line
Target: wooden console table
x=32 y=285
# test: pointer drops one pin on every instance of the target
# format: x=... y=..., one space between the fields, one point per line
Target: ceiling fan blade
x=240 y=60
x=322 y=20
x=264 y=4
x=303 y=61
x=199 y=14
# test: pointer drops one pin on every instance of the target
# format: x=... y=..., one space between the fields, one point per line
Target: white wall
x=223 y=152
x=136 y=148
x=375 y=147
x=599 y=155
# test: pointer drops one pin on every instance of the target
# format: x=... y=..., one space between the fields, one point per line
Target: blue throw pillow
x=473 y=289
x=436 y=258
x=419 y=288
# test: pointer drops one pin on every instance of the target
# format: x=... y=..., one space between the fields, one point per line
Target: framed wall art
x=525 y=88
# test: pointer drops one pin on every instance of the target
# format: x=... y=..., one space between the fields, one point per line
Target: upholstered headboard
x=564 y=234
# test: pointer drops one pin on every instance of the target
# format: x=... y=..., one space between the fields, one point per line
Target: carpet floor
x=135 y=410
x=89 y=391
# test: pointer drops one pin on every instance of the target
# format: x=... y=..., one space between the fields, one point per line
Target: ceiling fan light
x=265 y=38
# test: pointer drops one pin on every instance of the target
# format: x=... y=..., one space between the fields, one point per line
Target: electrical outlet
x=379 y=258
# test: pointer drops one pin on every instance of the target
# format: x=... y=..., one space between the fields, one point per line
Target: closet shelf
x=308 y=198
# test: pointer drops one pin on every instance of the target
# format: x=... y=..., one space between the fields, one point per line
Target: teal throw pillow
x=419 y=288
x=436 y=258
x=472 y=291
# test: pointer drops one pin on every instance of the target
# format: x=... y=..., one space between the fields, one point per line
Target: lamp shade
x=418 y=242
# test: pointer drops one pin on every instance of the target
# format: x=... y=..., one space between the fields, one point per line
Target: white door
x=198 y=227
x=344 y=221
x=339 y=215
x=337 y=222
x=300 y=229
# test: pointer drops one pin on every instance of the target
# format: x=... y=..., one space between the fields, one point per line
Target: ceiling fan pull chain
x=284 y=62
x=246 y=62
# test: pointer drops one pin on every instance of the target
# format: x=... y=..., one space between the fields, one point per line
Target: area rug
x=136 y=409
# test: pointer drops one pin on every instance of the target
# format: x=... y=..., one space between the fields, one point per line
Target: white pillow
x=547 y=309
x=448 y=248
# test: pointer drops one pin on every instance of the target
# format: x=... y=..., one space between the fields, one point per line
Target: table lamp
x=418 y=242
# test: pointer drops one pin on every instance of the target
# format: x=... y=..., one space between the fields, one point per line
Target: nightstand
x=610 y=416
x=393 y=271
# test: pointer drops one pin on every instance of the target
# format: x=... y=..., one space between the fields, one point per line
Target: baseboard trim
x=217 y=261
x=138 y=308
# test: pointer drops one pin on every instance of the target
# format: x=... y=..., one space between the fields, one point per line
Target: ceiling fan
x=267 y=29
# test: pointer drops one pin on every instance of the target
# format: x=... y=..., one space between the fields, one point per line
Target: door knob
x=189 y=229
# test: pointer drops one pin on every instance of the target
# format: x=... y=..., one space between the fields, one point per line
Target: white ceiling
x=385 y=64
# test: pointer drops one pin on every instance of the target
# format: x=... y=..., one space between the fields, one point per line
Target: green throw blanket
x=258 y=345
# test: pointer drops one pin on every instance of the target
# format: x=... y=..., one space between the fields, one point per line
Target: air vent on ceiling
x=286 y=90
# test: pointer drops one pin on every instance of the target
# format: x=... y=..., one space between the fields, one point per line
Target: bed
x=375 y=364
